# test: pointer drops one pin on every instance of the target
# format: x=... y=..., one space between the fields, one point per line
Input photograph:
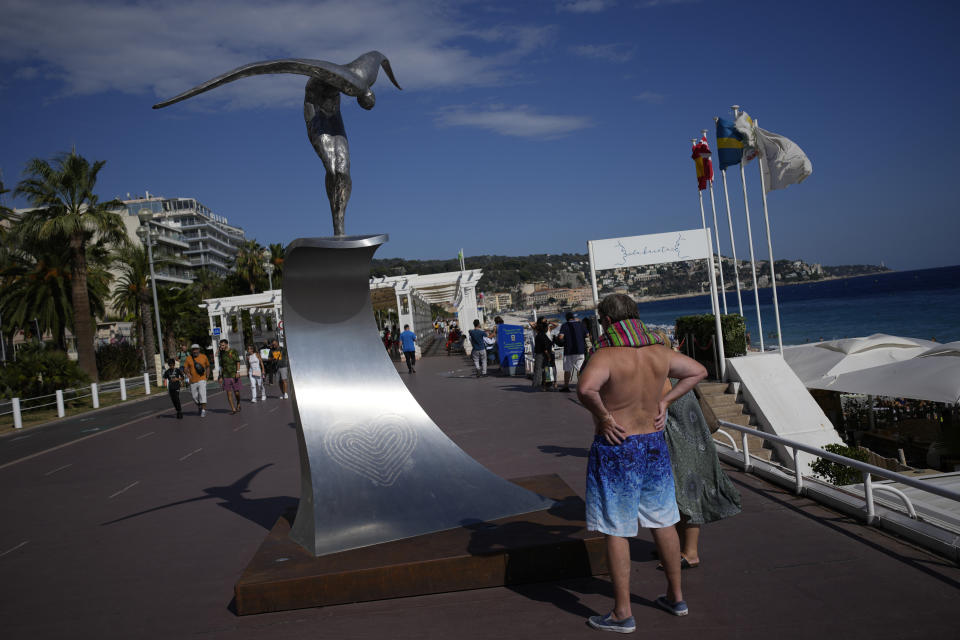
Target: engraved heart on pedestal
x=377 y=450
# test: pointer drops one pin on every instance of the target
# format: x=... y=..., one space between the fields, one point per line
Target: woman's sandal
x=684 y=564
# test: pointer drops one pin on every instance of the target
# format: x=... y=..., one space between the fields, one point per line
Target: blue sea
x=919 y=304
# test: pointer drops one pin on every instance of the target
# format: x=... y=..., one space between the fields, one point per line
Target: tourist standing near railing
x=197 y=367
x=629 y=478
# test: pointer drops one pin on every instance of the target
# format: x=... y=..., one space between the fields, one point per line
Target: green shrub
x=39 y=372
x=701 y=329
x=118 y=361
x=836 y=473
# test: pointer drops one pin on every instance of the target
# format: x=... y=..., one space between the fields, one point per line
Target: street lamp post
x=269 y=268
x=145 y=215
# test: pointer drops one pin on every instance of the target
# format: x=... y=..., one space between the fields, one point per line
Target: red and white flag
x=701 y=157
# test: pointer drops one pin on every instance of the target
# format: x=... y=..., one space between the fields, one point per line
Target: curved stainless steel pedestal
x=373 y=465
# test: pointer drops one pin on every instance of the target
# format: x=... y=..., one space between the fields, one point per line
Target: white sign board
x=656 y=248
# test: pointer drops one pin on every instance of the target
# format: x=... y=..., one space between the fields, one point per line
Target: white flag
x=745 y=127
x=782 y=162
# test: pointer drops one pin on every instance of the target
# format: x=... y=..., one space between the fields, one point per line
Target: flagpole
x=766 y=219
x=753 y=260
x=733 y=245
x=716 y=231
x=714 y=303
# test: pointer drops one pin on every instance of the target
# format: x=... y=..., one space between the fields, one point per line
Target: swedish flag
x=729 y=144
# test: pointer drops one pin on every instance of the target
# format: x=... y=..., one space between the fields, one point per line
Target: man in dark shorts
x=278 y=356
x=408 y=339
x=174 y=377
x=629 y=477
x=230 y=375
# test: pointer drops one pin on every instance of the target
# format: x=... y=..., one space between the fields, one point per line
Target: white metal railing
x=15 y=406
x=868 y=470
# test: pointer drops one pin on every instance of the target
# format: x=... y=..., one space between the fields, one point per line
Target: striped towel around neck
x=629 y=333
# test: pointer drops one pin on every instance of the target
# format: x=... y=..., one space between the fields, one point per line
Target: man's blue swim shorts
x=630 y=482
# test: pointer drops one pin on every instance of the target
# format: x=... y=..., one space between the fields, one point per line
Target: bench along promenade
x=142 y=527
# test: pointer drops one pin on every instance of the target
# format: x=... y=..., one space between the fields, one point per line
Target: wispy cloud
x=585 y=6
x=26 y=73
x=92 y=46
x=649 y=97
x=608 y=52
x=520 y=121
x=647 y=4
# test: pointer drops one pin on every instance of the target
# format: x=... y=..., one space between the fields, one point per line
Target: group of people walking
x=195 y=371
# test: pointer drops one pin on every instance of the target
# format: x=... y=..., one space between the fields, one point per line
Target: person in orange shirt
x=197 y=368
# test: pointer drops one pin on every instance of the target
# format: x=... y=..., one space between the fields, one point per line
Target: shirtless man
x=629 y=477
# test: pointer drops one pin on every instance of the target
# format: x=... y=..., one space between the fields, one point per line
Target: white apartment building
x=211 y=242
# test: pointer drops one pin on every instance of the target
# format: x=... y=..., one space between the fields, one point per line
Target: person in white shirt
x=255 y=369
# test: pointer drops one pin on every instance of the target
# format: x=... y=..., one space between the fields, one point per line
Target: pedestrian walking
x=409 y=341
x=174 y=377
x=197 y=368
x=255 y=371
x=268 y=369
x=278 y=355
x=573 y=338
x=230 y=375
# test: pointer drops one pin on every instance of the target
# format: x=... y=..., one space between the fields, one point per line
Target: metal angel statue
x=321 y=110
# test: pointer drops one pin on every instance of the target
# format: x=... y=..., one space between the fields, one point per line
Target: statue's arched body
x=321 y=110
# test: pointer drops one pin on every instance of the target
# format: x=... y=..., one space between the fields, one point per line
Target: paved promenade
x=142 y=530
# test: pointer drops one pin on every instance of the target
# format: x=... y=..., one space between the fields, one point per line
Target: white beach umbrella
x=817 y=364
x=932 y=375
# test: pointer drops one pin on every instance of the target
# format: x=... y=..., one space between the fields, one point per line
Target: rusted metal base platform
x=544 y=545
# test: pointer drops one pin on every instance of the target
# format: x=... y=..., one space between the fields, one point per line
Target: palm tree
x=5 y=213
x=277 y=253
x=249 y=264
x=181 y=317
x=67 y=210
x=36 y=284
x=132 y=295
x=206 y=284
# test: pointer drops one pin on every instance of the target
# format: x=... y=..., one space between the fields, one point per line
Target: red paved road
x=142 y=531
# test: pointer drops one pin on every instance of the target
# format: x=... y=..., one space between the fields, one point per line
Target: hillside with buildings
x=549 y=282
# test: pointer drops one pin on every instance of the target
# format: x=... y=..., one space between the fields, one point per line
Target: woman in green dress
x=704 y=492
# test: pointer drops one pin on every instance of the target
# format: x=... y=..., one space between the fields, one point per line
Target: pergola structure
x=411 y=295
x=224 y=314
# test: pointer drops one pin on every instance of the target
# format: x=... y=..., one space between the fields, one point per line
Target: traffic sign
x=280 y=325
x=216 y=331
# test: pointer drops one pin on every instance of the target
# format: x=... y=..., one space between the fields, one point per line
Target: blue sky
x=523 y=126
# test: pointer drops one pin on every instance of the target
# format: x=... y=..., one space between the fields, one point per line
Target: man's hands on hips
x=612 y=432
x=661 y=420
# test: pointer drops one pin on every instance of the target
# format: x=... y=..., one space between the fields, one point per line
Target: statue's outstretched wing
x=343 y=78
x=366 y=68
